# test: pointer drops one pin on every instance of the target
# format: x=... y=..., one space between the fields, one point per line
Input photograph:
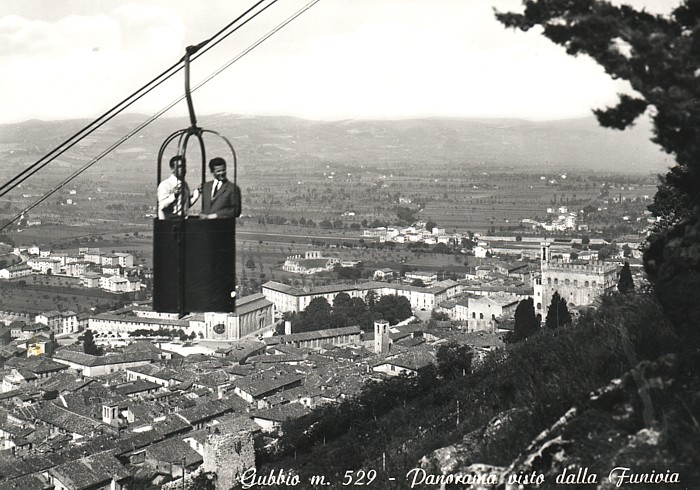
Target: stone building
x=253 y=313
x=228 y=454
x=316 y=339
x=484 y=312
x=289 y=298
x=311 y=263
x=579 y=283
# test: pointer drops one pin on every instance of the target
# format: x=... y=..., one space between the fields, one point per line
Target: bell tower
x=381 y=337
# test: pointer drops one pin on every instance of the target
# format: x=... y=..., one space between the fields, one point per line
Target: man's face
x=180 y=169
x=219 y=172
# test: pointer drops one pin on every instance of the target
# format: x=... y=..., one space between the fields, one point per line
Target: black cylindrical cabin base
x=208 y=262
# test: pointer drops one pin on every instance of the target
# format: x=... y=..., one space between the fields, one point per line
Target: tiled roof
x=34 y=327
x=207 y=411
x=174 y=450
x=275 y=358
x=282 y=288
x=138 y=319
x=240 y=370
x=213 y=379
x=138 y=386
x=282 y=413
x=172 y=424
x=319 y=334
x=259 y=385
x=38 y=365
x=413 y=359
x=411 y=342
x=477 y=339
x=13 y=467
x=136 y=441
x=89 y=472
x=66 y=420
x=242 y=349
x=27 y=482
x=90 y=360
x=147 y=369
x=251 y=303
x=236 y=423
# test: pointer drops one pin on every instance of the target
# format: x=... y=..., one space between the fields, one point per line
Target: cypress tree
x=89 y=346
x=625 y=284
x=525 y=320
x=558 y=313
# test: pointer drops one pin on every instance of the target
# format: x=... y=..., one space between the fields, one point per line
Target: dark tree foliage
x=406 y=215
x=607 y=251
x=392 y=308
x=442 y=248
x=657 y=55
x=316 y=316
x=330 y=421
x=371 y=299
x=354 y=272
x=347 y=311
x=89 y=346
x=342 y=304
x=669 y=205
x=439 y=316
x=358 y=307
x=625 y=284
x=558 y=313
x=526 y=322
x=454 y=360
x=204 y=481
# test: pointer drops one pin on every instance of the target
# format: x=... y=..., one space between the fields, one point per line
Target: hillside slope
x=614 y=390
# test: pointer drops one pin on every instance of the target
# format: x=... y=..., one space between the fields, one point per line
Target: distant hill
x=575 y=144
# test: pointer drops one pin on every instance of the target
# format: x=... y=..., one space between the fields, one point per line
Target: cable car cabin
x=194 y=258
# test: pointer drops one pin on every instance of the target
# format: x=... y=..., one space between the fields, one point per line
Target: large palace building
x=579 y=283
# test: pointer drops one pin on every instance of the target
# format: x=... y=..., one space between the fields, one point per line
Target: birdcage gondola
x=194 y=260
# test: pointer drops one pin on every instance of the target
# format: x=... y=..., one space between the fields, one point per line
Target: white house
x=14 y=271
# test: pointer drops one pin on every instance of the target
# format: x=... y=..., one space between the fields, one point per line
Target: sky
x=342 y=59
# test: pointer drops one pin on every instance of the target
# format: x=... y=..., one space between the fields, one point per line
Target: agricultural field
x=32 y=295
x=341 y=208
x=309 y=185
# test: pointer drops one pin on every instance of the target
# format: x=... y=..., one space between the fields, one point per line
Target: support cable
x=160 y=113
x=130 y=100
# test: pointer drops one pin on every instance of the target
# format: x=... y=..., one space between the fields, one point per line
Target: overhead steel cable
x=64 y=146
x=161 y=112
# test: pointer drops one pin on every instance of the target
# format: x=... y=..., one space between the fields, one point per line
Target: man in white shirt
x=174 y=196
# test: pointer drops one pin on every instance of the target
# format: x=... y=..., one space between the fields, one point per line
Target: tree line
x=347 y=311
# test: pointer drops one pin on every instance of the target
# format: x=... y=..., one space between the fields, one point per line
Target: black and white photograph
x=326 y=244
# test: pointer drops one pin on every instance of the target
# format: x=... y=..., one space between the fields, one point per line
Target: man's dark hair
x=175 y=159
x=215 y=162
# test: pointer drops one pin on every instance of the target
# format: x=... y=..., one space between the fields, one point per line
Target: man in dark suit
x=220 y=198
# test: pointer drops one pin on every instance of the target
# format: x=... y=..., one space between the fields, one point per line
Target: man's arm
x=233 y=208
x=194 y=196
x=233 y=205
x=166 y=195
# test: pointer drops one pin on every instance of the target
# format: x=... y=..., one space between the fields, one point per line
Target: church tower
x=381 y=337
x=545 y=253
